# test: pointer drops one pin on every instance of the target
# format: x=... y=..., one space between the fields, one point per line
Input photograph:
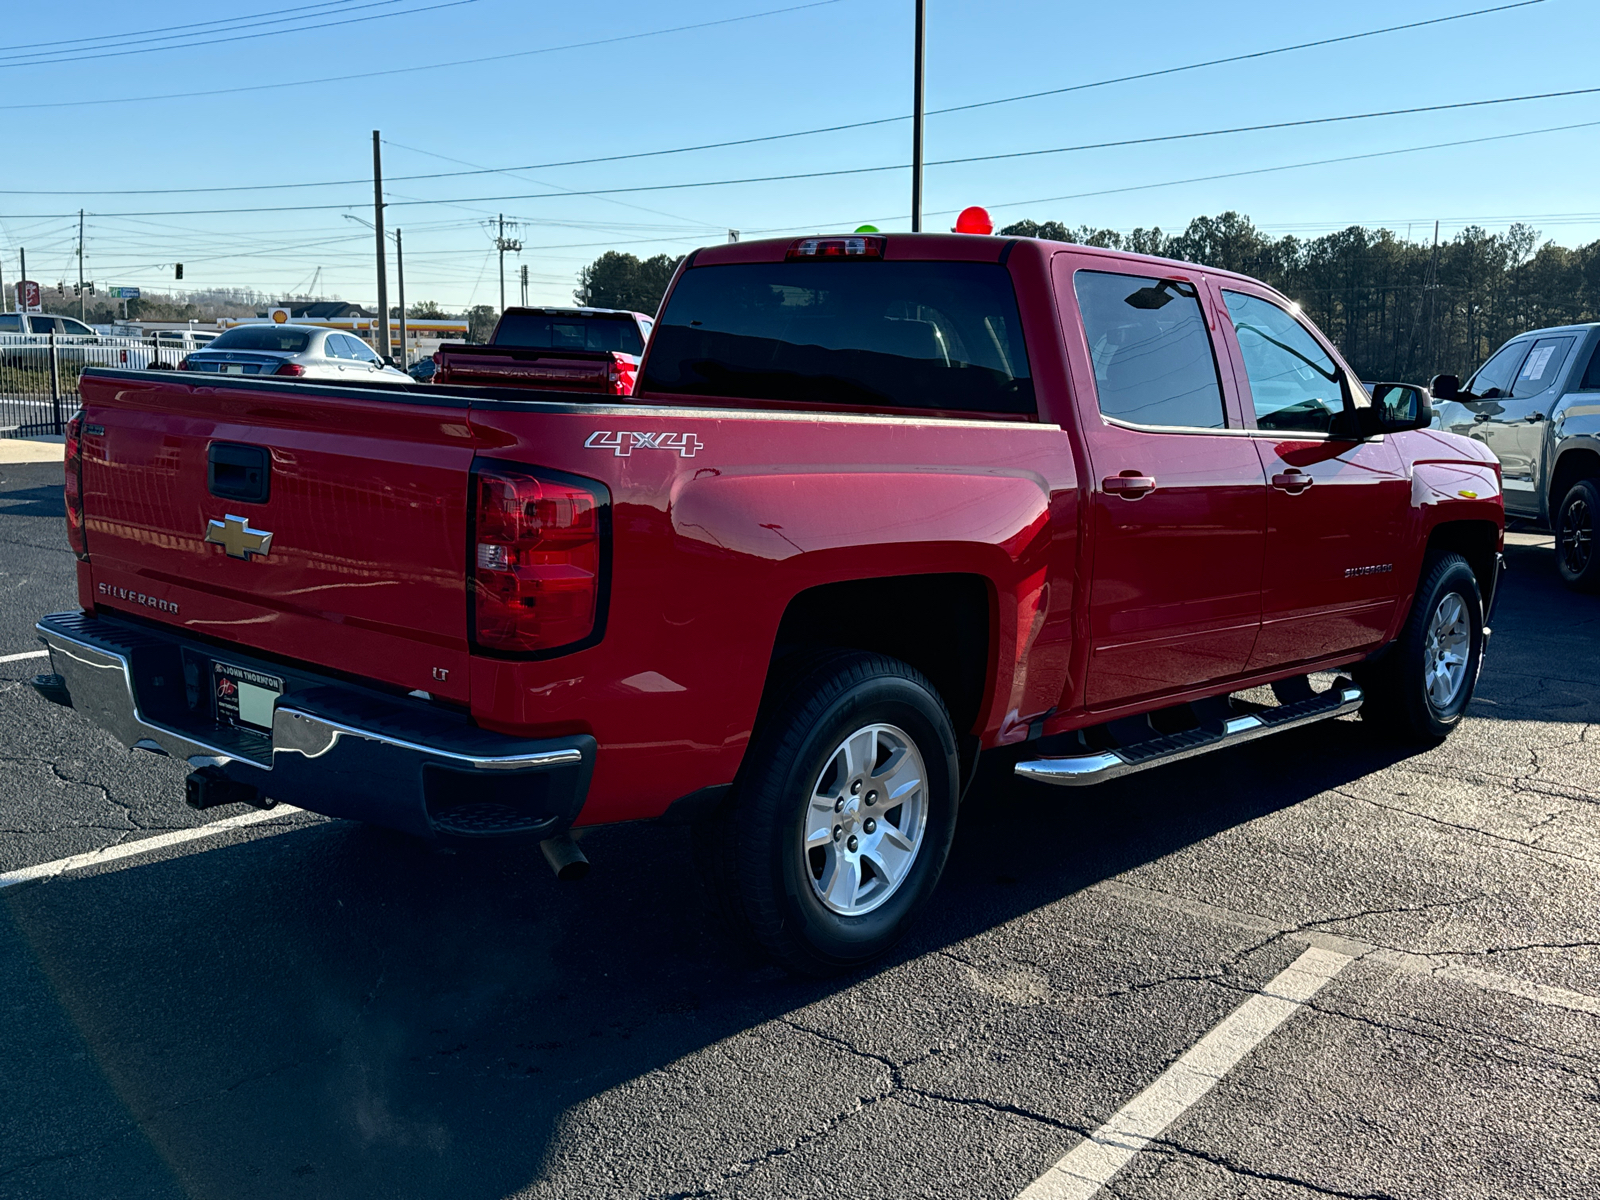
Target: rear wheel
x=1576 y=560
x=1420 y=689
x=841 y=820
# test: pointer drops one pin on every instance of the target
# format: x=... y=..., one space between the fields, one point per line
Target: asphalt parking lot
x=303 y=1007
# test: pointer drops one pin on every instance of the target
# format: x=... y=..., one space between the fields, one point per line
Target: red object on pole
x=974 y=220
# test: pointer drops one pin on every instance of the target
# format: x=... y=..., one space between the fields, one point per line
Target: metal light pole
x=916 y=119
x=80 y=265
x=400 y=267
x=383 y=273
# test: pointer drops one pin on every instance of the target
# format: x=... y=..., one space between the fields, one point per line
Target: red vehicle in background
x=877 y=505
x=571 y=349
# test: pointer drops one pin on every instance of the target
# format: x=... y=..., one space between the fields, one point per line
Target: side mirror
x=1396 y=407
x=1445 y=387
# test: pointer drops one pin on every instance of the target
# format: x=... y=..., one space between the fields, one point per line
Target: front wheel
x=1420 y=690
x=1576 y=560
x=842 y=816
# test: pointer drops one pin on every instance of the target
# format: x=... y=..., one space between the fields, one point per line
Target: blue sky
x=824 y=64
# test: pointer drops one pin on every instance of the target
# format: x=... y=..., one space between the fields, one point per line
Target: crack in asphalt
x=1566 y=1064
x=1164 y=1146
x=1532 y=847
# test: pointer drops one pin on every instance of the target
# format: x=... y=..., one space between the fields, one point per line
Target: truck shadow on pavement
x=337 y=1011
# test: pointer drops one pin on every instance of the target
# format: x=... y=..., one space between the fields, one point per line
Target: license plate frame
x=242 y=698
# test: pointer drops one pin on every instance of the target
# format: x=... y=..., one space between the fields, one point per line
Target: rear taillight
x=854 y=246
x=619 y=376
x=538 y=558
x=124 y=356
x=183 y=364
x=290 y=368
x=76 y=536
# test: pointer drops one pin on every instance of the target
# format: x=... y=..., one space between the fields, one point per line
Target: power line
x=836 y=128
x=112 y=37
x=189 y=29
x=842 y=171
x=243 y=37
x=461 y=62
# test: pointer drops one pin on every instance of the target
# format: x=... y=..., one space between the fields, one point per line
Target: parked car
x=293 y=351
x=25 y=343
x=576 y=349
x=1536 y=404
x=878 y=504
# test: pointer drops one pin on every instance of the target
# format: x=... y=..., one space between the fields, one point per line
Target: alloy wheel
x=865 y=820
x=1577 y=536
x=1444 y=656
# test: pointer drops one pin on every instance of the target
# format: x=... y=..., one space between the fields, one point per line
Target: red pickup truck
x=878 y=504
x=570 y=349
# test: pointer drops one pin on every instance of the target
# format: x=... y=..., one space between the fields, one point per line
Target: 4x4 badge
x=236 y=537
x=625 y=443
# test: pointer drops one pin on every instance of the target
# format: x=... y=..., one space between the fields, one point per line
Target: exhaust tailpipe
x=564 y=857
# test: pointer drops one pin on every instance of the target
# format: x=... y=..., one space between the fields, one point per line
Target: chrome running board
x=1081 y=770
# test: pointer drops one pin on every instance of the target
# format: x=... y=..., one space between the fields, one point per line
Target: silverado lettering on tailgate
x=625 y=443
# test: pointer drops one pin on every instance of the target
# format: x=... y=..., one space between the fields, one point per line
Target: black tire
x=1576 y=559
x=1399 y=702
x=751 y=851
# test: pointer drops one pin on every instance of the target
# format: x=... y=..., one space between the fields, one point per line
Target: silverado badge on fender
x=236 y=537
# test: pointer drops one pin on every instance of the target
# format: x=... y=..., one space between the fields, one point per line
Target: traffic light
x=77 y=289
x=179 y=275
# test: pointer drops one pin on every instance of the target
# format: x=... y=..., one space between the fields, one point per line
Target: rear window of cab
x=899 y=335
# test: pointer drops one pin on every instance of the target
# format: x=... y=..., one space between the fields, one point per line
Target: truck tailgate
x=363 y=493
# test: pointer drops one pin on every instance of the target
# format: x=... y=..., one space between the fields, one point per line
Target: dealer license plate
x=244 y=698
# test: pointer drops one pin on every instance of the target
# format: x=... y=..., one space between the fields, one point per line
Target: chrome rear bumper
x=335 y=748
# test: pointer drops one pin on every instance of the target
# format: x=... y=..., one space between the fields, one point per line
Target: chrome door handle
x=1130 y=485
x=1534 y=417
x=1293 y=481
x=1480 y=416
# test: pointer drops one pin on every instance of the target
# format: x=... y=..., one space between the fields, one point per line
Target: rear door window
x=10 y=323
x=1153 y=362
x=1540 y=368
x=1591 y=374
x=874 y=334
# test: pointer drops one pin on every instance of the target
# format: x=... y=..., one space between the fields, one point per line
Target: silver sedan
x=293 y=351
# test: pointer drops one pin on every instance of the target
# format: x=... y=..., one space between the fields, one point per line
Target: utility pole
x=400 y=266
x=383 y=273
x=22 y=290
x=502 y=243
x=80 y=264
x=1433 y=287
x=524 y=285
x=916 y=119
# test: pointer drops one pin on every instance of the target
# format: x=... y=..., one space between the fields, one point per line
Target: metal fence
x=39 y=374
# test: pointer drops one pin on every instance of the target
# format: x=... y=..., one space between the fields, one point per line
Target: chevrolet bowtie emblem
x=235 y=536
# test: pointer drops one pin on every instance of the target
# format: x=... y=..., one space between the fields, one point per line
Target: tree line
x=1397 y=309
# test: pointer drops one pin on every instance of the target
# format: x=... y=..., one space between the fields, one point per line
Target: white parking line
x=5 y=658
x=1092 y=1163
x=96 y=858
